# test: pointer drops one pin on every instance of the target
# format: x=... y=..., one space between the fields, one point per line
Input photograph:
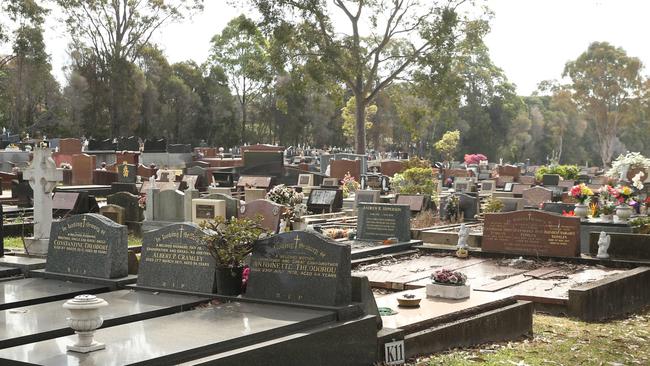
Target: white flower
x=637 y=182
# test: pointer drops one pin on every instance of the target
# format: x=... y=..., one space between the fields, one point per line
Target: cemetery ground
x=560 y=341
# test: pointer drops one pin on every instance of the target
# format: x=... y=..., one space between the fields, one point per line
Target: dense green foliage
x=415 y=181
x=568 y=172
x=286 y=80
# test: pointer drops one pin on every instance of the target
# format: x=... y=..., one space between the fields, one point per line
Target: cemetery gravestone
x=323 y=200
x=532 y=232
x=232 y=204
x=207 y=209
x=300 y=267
x=155 y=145
x=169 y=206
x=502 y=181
x=175 y=257
x=379 y=221
x=104 y=177
x=339 y=168
x=366 y=196
x=88 y=245
x=130 y=143
x=488 y=186
x=127 y=173
x=536 y=196
x=113 y=212
x=253 y=194
x=527 y=179
x=511 y=204
x=330 y=182
x=558 y=207
x=130 y=202
x=270 y=212
x=507 y=187
x=43 y=176
x=70 y=146
x=416 y=203
x=269 y=163
x=519 y=188
x=392 y=167
x=254 y=182
x=550 y=180
x=468 y=205
x=179 y=149
x=83 y=166
x=305 y=180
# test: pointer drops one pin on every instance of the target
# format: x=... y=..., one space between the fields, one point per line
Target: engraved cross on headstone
x=43 y=176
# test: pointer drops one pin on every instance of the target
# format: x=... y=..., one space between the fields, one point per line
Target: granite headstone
x=380 y=221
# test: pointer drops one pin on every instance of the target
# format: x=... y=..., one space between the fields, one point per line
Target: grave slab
x=197 y=333
x=30 y=291
x=48 y=320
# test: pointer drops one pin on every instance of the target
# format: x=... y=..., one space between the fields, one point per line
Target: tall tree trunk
x=360 y=136
x=243 y=115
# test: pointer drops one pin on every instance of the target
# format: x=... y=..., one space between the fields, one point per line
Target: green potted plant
x=230 y=242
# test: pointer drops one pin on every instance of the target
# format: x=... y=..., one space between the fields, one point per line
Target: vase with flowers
x=582 y=194
x=624 y=197
x=606 y=203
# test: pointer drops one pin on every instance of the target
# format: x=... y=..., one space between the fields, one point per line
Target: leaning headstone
x=531 y=232
x=43 y=176
x=380 y=221
x=270 y=212
x=300 y=267
x=88 y=245
x=175 y=257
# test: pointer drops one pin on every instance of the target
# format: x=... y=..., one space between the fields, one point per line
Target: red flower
x=570 y=213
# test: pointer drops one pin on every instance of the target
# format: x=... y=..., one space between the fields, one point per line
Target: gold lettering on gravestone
x=169 y=249
x=378 y=223
x=297 y=264
x=90 y=241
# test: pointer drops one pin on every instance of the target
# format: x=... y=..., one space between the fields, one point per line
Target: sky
x=531 y=40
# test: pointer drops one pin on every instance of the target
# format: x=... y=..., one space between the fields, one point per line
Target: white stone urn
x=606 y=218
x=448 y=291
x=623 y=212
x=84 y=320
x=581 y=210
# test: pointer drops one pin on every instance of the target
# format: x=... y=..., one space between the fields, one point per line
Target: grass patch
x=562 y=341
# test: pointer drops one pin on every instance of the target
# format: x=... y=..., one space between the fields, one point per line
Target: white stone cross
x=43 y=176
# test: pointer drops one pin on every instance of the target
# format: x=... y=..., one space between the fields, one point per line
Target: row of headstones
x=132 y=143
x=175 y=257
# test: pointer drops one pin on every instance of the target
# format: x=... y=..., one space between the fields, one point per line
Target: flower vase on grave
x=229 y=280
x=581 y=210
x=623 y=212
x=606 y=218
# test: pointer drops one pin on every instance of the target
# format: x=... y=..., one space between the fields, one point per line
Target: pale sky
x=531 y=40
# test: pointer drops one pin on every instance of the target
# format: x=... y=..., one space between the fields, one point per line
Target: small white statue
x=152 y=181
x=603 y=245
x=463 y=234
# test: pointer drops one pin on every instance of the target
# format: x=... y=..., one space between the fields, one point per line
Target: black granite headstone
x=322 y=200
x=267 y=163
x=175 y=257
x=101 y=145
x=155 y=145
x=88 y=245
x=132 y=210
x=130 y=143
x=179 y=148
x=300 y=267
x=468 y=205
x=550 y=180
x=380 y=221
x=127 y=173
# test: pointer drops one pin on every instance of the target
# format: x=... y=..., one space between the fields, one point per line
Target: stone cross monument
x=43 y=176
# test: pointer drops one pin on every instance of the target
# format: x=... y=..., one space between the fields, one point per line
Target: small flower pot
x=623 y=213
x=448 y=291
x=581 y=211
